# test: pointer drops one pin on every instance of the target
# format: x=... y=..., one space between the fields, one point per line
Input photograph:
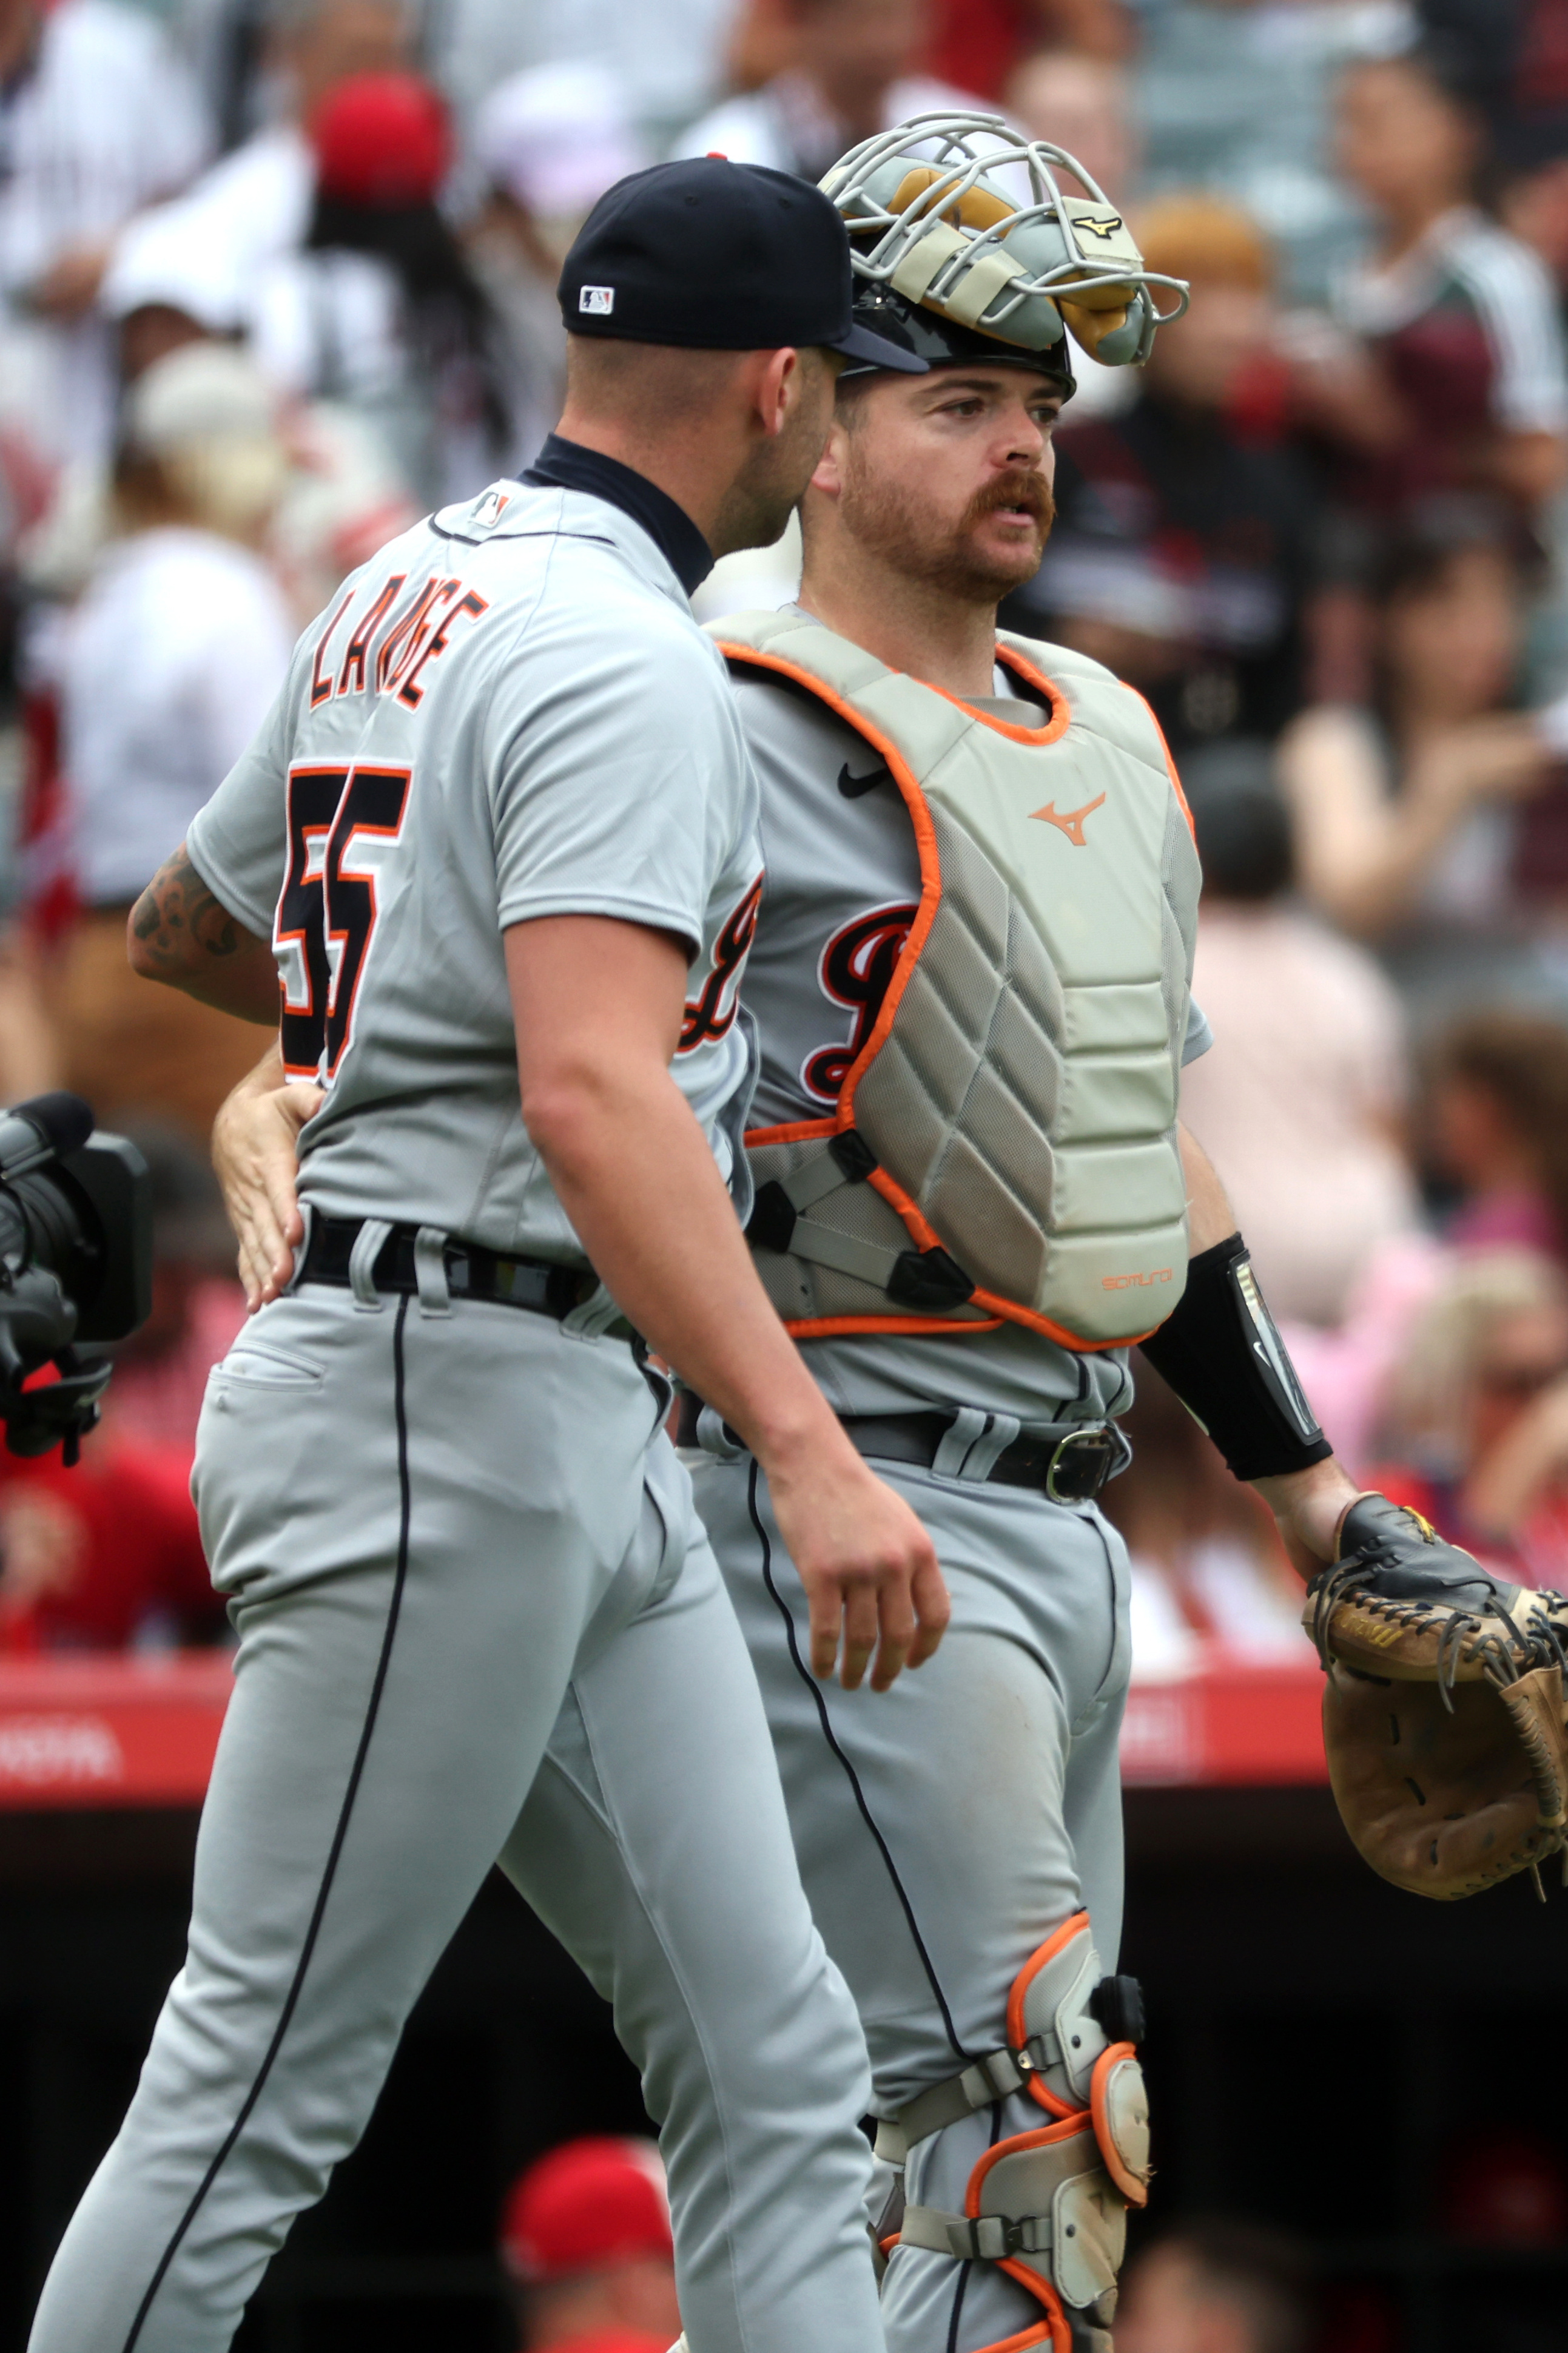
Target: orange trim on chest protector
x=997 y=1310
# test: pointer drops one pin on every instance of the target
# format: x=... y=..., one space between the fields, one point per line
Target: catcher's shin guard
x=1048 y=2207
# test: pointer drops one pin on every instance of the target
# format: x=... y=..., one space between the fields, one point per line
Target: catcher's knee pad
x=1063 y=2015
x=1050 y=2206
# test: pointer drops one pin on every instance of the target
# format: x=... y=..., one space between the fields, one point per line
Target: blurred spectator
x=1299 y=1101
x=198 y=1306
x=977 y=43
x=378 y=310
x=1080 y=102
x=105 y=1555
x=255 y=202
x=672 y=60
x=345 y=494
x=547 y=145
x=1402 y=812
x=1206 y=1563
x=585 y=2241
x=1181 y=557
x=171 y=662
x=1473 y=1431
x=855 y=71
x=1513 y=56
x=1496 y=1121
x=1217 y=2287
x=1236 y=96
x=1462 y=385
x=98 y=118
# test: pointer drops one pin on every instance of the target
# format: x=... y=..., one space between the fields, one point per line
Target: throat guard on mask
x=1003 y=1147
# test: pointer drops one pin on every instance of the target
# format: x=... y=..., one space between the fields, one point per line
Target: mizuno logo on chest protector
x=1002 y=1141
x=1070 y=821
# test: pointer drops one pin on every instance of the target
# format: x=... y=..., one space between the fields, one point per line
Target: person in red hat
x=379 y=310
x=585 y=2240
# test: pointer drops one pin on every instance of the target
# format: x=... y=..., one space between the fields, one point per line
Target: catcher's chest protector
x=1003 y=1147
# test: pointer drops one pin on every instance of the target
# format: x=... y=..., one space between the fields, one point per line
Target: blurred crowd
x=585 y=2254
x=276 y=276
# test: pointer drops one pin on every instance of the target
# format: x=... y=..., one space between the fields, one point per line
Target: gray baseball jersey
x=841 y=890
x=478 y=1617
x=509 y=649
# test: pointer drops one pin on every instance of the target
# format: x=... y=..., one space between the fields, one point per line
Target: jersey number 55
x=341 y=823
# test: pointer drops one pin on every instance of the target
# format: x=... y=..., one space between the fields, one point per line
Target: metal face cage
x=1002 y=258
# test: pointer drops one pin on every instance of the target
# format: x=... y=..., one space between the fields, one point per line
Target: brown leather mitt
x=1443 y=1713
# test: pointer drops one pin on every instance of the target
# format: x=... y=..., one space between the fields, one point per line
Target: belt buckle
x=1094 y=1448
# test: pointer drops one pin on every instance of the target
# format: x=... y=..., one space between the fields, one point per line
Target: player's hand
x=869 y=1568
x=1308 y=1507
x=255 y=1154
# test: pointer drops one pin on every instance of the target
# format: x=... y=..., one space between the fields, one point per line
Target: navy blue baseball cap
x=719 y=257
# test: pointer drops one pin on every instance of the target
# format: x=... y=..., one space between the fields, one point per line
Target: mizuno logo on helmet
x=1100 y=227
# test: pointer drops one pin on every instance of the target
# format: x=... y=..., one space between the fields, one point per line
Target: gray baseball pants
x=946 y=1827
x=478 y=1620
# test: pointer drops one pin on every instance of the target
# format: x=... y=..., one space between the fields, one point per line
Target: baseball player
x=970 y=982
x=500 y=835
x=970 y=978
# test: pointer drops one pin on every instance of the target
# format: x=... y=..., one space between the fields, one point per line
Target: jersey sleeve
x=1199 y=1037
x=238 y=841
x=584 y=824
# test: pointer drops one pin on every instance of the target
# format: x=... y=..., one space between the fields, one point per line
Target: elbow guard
x=1221 y=1353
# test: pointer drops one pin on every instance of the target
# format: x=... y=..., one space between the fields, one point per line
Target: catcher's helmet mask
x=952 y=266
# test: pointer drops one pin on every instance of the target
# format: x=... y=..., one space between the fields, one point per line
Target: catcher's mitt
x=1443 y=1713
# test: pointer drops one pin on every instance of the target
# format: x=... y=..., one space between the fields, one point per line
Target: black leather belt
x=1071 y=1469
x=538 y=1284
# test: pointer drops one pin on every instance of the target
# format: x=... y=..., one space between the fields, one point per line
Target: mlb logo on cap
x=599 y=300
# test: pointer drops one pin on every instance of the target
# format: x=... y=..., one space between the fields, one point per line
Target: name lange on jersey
x=391 y=645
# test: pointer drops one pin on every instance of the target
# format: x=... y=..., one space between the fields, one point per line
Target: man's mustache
x=1030 y=490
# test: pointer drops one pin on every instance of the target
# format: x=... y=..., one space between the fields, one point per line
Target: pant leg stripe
x=334 y=1852
x=815 y=1688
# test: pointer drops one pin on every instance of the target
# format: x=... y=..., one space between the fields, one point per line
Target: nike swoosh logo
x=853 y=787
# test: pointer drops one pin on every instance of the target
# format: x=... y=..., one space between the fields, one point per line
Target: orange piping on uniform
x=925 y=842
x=1076 y=1924
x=848 y=1327
x=794 y=1130
x=1136 y=2192
x=1034 y=1322
x=1008 y=1309
x=1170 y=764
x=1061 y=2336
x=1055 y=728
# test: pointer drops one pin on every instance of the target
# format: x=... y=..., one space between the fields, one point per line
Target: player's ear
x=777 y=384
x=828 y=478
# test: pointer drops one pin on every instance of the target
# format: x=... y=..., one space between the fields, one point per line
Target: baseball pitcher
x=497 y=841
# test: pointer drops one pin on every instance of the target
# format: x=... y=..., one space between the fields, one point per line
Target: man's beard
x=899 y=526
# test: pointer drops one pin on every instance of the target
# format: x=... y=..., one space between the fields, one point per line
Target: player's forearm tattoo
x=177 y=911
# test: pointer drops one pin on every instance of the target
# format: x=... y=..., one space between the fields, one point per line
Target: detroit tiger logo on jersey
x=710 y=1014
x=854 y=971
